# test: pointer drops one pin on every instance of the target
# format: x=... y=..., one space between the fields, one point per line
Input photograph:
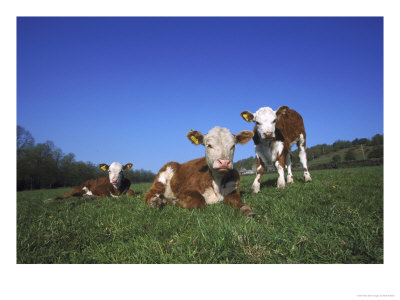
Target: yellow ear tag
x=246 y=117
x=194 y=139
x=104 y=168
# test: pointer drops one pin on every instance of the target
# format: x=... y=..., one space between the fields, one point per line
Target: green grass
x=338 y=218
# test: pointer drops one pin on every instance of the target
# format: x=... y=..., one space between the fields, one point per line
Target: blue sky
x=129 y=89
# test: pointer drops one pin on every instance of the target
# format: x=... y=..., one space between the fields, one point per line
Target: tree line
x=376 y=142
x=43 y=165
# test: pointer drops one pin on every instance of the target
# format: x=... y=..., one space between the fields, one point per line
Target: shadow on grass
x=269 y=182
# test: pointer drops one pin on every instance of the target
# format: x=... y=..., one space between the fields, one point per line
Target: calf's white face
x=265 y=119
x=115 y=171
x=220 y=146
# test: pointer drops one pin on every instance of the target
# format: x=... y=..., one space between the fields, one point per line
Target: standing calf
x=275 y=132
x=205 y=180
x=114 y=185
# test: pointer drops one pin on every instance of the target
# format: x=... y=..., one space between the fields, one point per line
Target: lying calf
x=114 y=185
x=205 y=180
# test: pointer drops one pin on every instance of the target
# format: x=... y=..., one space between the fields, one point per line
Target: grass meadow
x=337 y=218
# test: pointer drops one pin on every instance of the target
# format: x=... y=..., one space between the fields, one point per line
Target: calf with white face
x=202 y=181
x=115 y=174
x=114 y=185
x=274 y=134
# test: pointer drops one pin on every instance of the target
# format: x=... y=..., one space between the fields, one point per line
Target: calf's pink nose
x=268 y=134
x=224 y=163
x=114 y=180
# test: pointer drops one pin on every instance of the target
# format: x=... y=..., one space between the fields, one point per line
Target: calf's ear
x=281 y=111
x=104 y=167
x=247 y=116
x=196 y=137
x=127 y=166
x=244 y=136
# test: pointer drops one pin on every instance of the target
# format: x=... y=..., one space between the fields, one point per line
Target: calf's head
x=265 y=119
x=220 y=146
x=115 y=171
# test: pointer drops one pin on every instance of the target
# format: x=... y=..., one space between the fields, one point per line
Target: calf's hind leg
x=77 y=191
x=191 y=199
x=289 y=169
x=303 y=158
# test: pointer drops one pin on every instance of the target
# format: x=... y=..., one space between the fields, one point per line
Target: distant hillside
x=339 y=152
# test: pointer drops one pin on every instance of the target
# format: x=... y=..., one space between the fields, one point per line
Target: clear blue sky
x=129 y=89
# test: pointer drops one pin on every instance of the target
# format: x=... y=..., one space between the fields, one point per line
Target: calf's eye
x=209 y=146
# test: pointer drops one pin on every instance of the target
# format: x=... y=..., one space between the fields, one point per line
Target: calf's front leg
x=234 y=199
x=280 y=167
x=155 y=194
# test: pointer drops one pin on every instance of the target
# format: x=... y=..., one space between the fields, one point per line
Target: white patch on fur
x=86 y=190
x=289 y=178
x=165 y=178
x=281 y=176
x=211 y=196
x=277 y=148
x=112 y=195
x=268 y=151
x=259 y=168
x=303 y=158
x=255 y=188
x=216 y=193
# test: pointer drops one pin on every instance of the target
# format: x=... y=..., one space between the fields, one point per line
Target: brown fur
x=188 y=184
x=289 y=126
x=100 y=188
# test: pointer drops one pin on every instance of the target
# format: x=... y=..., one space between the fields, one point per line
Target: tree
x=45 y=166
x=376 y=152
x=377 y=140
x=24 y=138
x=336 y=158
x=339 y=144
x=350 y=155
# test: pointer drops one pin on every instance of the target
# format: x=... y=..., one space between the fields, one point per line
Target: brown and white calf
x=275 y=132
x=205 y=180
x=114 y=185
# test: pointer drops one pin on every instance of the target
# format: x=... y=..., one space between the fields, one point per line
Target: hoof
x=156 y=202
x=280 y=186
x=246 y=211
x=254 y=190
x=289 y=179
x=307 y=178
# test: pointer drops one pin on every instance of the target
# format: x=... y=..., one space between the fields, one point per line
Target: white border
x=198 y=281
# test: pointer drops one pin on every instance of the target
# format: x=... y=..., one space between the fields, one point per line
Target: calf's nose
x=114 y=180
x=268 y=134
x=224 y=163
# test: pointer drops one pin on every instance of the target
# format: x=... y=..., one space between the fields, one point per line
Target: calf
x=275 y=132
x=205 y=180
x=114 y=185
